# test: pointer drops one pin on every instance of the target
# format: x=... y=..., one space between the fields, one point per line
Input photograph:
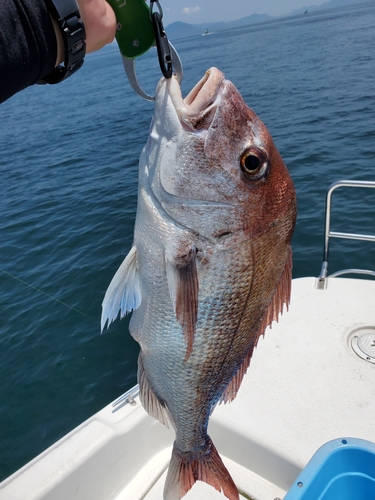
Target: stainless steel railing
x=334 y=234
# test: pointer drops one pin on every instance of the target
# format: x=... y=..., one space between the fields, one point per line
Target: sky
x=203 y=11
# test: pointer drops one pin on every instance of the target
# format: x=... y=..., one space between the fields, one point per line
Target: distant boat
x=206 y=32
x=306 y=11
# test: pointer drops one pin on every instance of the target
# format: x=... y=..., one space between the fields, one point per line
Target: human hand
x=100 y=23
x=100 y=26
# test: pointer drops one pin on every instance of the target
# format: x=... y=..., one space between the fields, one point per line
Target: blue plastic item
x=342 y=469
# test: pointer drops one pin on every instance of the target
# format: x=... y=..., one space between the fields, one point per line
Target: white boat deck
x=305 y=386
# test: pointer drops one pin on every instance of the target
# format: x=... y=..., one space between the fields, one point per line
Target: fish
x=210 y=266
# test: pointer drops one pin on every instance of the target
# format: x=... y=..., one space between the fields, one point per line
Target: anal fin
x=150 y=401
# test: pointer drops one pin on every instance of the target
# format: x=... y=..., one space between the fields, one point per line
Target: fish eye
x=254 y=163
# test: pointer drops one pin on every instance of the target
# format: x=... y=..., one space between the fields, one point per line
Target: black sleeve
x=28 y=46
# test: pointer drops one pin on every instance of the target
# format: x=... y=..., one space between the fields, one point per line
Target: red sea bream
x=210 y=266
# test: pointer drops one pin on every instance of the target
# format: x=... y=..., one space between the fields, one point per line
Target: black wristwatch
x=67 y=16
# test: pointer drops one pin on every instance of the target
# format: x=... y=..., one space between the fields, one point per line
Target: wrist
x=70 y=37
x=59 y=43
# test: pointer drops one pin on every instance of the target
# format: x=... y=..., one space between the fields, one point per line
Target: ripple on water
x=68 y=163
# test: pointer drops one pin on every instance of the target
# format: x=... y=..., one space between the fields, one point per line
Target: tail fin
x=185 y=469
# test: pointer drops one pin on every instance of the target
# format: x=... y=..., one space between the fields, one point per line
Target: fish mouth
x=198 y=108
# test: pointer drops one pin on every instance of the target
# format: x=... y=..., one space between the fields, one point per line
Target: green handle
x=135 y=33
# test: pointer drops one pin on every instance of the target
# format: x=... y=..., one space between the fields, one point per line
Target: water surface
x=68 y=163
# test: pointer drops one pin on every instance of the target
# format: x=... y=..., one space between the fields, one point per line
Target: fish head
x=213 y=165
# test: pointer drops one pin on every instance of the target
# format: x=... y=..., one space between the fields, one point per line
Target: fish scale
x=210 y=266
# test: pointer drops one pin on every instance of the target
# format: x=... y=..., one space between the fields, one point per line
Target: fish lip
x=197 y=109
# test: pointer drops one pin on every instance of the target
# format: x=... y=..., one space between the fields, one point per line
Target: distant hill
x=326 y=5
x=253 y=18
x=182 y=30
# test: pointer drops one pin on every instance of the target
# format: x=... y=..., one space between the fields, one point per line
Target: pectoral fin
x=183 y=286
x=123 y=293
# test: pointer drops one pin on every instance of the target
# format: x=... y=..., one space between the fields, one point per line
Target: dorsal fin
x=280 y=297
x=124 y=291
x=183 y=286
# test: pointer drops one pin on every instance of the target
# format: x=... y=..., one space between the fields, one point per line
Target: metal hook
x=129 y=66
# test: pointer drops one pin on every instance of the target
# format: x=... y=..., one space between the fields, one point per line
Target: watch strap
x=68 y=18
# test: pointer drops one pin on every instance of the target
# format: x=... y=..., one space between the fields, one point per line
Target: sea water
x=68 y=165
